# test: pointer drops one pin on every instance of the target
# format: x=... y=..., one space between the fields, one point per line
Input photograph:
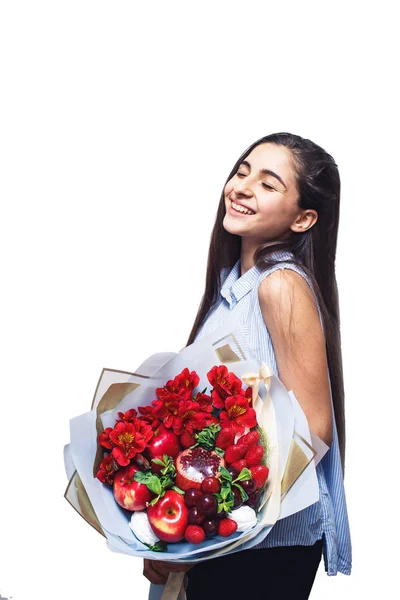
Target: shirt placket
x=230 y=297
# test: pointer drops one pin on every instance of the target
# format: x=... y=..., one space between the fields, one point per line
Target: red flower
x=107 y=470
x=190 y=417
x=249 y=395
x=128 y=442
x=238 y=413
x=128 y=417
x=148 y=415
x=186 y=380
x=204 y=401
x=182 y=385
x=170 y=390
x=224 y=384
x=104 y=438
x=167 y=409
x=144 y=429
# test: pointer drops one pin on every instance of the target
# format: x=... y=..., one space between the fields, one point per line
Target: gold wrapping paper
x=84 y=506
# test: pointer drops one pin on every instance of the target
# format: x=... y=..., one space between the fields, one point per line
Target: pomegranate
x=195 y=464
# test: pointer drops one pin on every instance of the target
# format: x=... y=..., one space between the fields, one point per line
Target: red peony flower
x=104 y=438
x=107 y=470
x=238 y=413
x=224 y=384
x=128 y=442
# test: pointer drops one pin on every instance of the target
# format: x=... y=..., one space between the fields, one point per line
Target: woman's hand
x=157 y=571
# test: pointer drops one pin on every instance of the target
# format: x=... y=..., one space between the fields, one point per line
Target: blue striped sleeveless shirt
x=327 y=518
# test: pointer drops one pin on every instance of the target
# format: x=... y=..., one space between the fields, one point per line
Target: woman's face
x=264 y=183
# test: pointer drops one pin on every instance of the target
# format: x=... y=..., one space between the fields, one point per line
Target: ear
x=304 y=221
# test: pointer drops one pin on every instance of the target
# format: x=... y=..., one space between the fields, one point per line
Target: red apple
x=130 y=494
x=165 y=441
x=169 y=517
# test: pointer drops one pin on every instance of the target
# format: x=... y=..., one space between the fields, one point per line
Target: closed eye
x=264 y=184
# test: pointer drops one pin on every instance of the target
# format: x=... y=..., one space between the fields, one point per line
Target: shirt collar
x=236 y=286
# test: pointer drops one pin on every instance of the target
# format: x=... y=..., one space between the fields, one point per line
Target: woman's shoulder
x=286 y=284
x=285 y=277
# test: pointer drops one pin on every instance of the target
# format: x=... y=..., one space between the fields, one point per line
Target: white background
x=120 y=122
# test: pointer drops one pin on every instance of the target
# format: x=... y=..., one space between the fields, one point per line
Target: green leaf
x=219 y=451
x=225 y=474
x=160 y=546
x=174 y=487
x=158 y=461
x=244 y=475
x=242 y=492
x=166 y=483
x=155 y=486
x=226 y=506
x=206 y=437
x=225 y=490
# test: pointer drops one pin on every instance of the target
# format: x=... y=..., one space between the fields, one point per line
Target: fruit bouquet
x=187 y=459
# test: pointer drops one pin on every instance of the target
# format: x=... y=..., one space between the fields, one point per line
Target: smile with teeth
x=241 y=209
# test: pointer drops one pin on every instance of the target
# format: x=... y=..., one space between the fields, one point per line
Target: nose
x=243 y=187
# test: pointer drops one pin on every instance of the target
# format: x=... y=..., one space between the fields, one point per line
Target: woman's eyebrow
x=266 y=172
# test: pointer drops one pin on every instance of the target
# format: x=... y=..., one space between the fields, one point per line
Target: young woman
x=271 y=264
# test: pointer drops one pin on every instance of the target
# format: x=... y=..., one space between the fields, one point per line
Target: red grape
x=210 y=527
x=208 y=505
x=249 y=486
x=191 y=497
x=210 y=485
x=254 y=499
x=233 y=472
x=195 y=516
x=238 y=497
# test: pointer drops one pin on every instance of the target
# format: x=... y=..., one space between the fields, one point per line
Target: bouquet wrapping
x=135 y=486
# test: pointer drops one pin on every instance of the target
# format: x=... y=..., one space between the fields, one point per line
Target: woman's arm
x=291 y=316
x=157 y=571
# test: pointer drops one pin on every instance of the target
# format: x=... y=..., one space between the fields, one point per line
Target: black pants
x=284 y=572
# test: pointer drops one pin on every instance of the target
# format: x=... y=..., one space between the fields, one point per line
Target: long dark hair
x=314 y=250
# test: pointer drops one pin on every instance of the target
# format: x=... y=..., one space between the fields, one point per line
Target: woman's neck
x=248 y=248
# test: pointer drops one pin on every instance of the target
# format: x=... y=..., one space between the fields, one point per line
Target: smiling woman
x=271 y=265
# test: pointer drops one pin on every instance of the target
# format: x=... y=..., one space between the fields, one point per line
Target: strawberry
x=234 y=453
x=260 y=474
x=225 y=438
x=254 y=456
x=226 y=527
x=239 y=464
x=250 y=439
x=194 y=534
x=187 y=439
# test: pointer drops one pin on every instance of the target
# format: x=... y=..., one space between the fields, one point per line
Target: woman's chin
x=232 y=225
